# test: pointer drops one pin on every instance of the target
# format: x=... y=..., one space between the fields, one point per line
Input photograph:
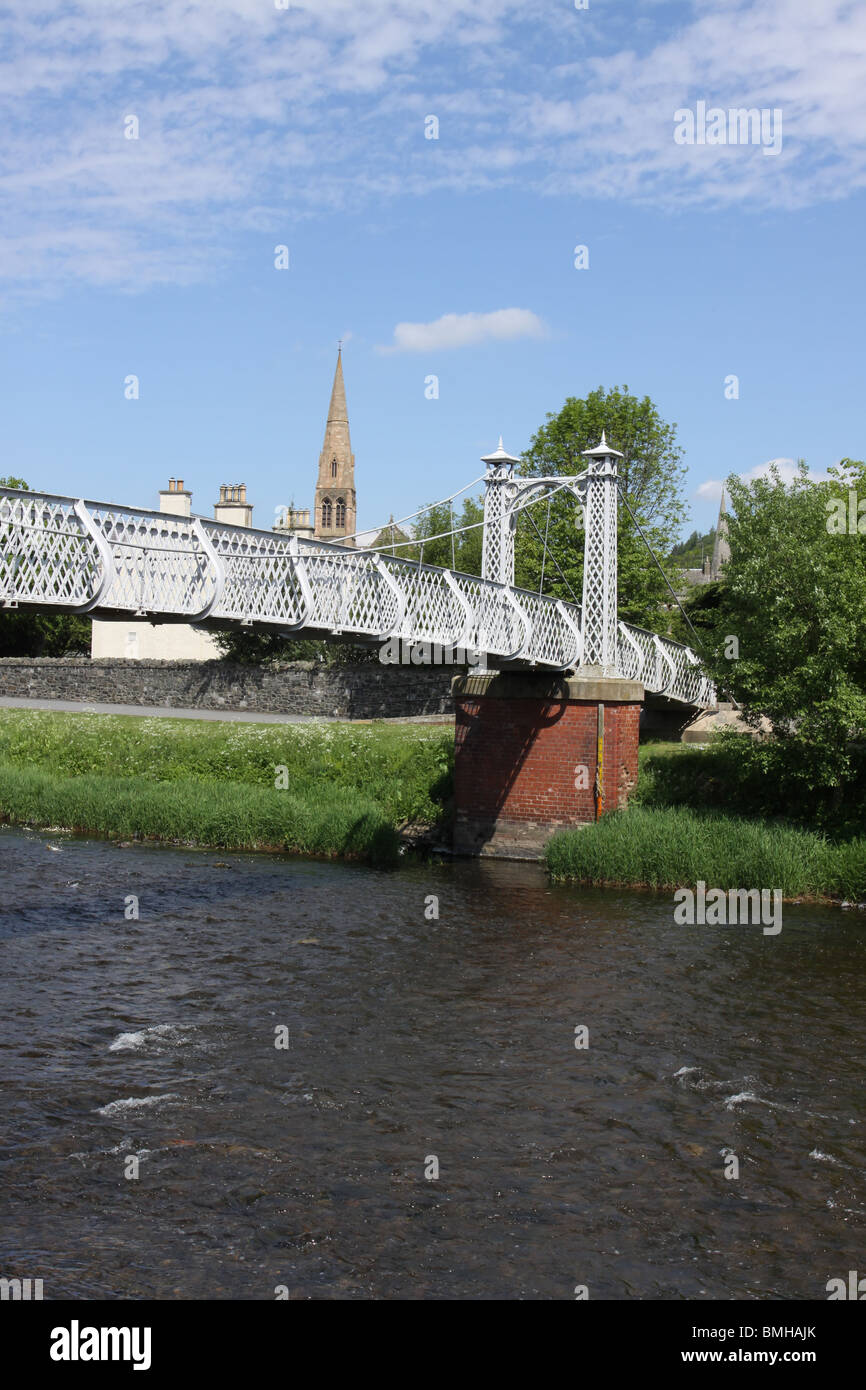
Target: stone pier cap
x=544 y=685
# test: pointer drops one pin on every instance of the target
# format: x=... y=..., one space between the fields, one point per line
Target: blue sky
x=259 y=127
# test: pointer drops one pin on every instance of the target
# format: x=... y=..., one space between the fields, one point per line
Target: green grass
x=405 y=769
x=213 y=783
x=761 y=780
x=671 y=847
x=224 y=815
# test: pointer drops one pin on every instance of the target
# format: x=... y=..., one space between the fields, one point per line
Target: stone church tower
x=721 y=547
x=335 y=505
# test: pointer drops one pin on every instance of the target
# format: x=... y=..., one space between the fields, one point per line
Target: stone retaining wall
x=302 y=687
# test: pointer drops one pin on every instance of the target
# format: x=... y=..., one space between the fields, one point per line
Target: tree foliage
x=651 y=479
x=434 y=546
x=794 y=598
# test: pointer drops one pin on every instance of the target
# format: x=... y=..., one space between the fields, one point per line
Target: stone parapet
x=364 y=691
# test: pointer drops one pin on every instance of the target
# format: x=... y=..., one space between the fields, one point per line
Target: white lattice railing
x=60 y=552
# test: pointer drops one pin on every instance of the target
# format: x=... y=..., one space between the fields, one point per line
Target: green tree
x=794 y=597
x=462 y=551
x=651 y=478
x=689 y=554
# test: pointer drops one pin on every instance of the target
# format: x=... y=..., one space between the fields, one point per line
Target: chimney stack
x=232 y=506
x=174 y=499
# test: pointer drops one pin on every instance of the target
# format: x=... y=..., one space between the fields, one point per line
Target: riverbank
x=665 y=848
x=335 y=789
x=354 y=791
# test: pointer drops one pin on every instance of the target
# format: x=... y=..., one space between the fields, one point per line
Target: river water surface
x=411 y=1039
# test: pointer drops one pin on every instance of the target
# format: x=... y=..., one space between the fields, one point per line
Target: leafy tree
x=794 y=597
x=24 y=633
x=689 y=554
x=650 y=477
x=696 y=623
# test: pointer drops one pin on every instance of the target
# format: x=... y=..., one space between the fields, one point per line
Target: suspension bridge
x=68 y=554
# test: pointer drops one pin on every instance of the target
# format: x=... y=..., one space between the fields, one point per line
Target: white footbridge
x=72 y=555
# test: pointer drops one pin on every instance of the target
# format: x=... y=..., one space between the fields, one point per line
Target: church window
x=333 y=467
x=326 y=513
x=341 y=511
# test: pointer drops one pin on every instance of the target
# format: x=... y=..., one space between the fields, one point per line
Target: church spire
x=338 y=413
x=721 y=546
x=335 y=490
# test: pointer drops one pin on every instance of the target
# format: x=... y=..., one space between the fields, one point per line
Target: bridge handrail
x=286 y=582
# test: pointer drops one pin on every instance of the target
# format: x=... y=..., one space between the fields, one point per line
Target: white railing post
x=599 y=560
x=497 y=557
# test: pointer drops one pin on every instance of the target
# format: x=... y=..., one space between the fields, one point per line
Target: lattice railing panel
x=158 y=564
x=260 y=582
x=59 y=553
x=663 y=666
x=47 y=555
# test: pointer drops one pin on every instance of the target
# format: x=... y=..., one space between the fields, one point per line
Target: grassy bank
x=767 y=780
x=671 y=847
x=224 y=815
x=349 y=786
x=406 y=769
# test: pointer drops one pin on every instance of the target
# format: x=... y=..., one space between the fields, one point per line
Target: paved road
x=223 y=716
x=163 y=712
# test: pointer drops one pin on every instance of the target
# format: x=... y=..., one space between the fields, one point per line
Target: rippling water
x=411 y=1038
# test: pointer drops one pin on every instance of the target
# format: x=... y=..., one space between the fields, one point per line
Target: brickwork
x=518 y=767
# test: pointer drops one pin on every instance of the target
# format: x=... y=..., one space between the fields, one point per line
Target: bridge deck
x=66 y=554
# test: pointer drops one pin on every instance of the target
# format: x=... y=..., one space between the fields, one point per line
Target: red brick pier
x=526 y=757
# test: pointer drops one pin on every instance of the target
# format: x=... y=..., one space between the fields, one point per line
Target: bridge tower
x=599 y=610
x=497 y=555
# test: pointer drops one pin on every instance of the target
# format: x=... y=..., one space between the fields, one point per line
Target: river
x=307 y=1170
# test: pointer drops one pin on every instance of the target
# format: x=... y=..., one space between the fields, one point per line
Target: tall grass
x=767 y=779
x=405 y=769
x=672 y=847
x=332 y=820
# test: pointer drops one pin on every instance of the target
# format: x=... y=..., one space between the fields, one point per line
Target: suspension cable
x=544 y=551
x=558 y=566
x=656 y=563
x=428 y=507
x=473 y=525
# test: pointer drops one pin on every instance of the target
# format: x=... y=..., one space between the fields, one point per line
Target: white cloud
x=466 y=330
x=252 y=117
x=711 y=490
